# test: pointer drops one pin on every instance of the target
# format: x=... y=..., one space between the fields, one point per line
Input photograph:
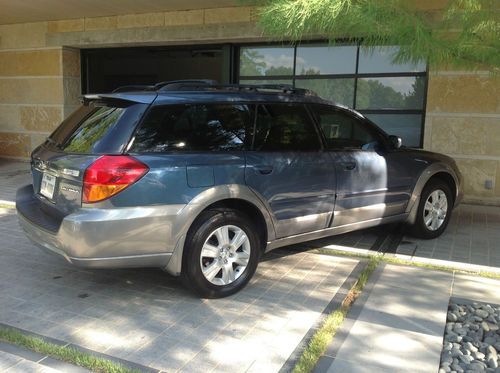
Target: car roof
x=208 y=91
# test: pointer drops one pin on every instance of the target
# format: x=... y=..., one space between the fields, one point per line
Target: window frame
x=356 y=75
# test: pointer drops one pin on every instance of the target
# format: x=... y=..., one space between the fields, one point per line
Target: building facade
x=46 y=65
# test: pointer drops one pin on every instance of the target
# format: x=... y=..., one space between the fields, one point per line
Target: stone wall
x=463 y=121
x=40 y=83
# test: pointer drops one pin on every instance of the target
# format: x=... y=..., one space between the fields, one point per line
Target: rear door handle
x=348 y=166
x=264 y=169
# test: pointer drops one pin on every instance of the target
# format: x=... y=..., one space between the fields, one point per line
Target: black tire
x=420 y=229
x=200 y=231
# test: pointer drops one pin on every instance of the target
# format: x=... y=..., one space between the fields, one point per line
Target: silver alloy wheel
x=435 y=210
x=225 y=255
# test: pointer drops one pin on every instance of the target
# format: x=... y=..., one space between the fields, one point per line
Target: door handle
x=264 y=169
x=349 y=166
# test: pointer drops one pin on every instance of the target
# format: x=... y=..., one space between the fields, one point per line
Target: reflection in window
x=93 y=129
x=193 y=127
x=316 y=60
x=340 y=91
x=282 y=127
x=390 y=93
x=406 y=126
x=379 y=60
x=266 y=61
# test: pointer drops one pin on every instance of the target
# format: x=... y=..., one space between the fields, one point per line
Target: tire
x=210 y=246
x=433 y=214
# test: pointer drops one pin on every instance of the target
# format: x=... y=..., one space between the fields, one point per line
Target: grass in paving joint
x=63 y=353
x=393 y=260
x=325 y=334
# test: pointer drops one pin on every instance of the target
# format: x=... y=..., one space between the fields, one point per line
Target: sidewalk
x=397 y=324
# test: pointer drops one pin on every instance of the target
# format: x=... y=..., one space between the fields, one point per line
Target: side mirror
x=395 y=141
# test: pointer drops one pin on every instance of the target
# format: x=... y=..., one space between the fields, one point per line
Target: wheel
x=221 y=253
x=434 y=210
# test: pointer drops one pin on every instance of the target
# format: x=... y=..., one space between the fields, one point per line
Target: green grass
x=393 y=260
x=324 y=335
x=7 y=206
x=67 y=354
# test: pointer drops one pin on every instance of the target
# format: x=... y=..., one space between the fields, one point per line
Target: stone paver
x=146 y=316
x=397 y=325
x=13 y=174
x=472 y=236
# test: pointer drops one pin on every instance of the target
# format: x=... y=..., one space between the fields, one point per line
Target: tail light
x=109 y=175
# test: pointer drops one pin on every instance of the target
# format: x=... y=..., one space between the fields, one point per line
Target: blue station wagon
x=201 y=179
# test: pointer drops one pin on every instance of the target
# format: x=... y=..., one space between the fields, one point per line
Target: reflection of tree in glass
x=373 y=94
x=198 y=127
x=252 y=63
x=337 y=90
x=93 y=129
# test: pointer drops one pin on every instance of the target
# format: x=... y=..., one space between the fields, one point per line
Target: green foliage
x=324 y=335
x=465 y=34
x=68 y=354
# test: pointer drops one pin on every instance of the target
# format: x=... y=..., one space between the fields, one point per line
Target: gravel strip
x=471 y=339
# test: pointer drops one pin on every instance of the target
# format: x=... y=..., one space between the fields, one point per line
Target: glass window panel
x=337 y=90
x=379 y=60
x=285 y=127
x=193 y=128
x=406 y=126
x=390 y=93
x=266 y=61
x=315 y=60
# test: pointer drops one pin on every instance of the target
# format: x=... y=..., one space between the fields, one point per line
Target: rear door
x=371 y=182
x=94 y=129
x=289 y=170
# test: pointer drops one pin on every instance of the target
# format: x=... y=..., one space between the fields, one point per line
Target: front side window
x=284 y=127
x=343 y=131
x=204 y=127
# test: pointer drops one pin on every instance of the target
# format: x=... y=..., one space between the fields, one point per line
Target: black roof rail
x=176 y=85
x=212 y=85
x=128 y=88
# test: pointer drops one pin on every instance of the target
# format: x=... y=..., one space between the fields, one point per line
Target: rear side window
x=209 y=127
x=285 y=127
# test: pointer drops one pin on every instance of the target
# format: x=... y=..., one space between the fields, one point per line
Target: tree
x=466 y=34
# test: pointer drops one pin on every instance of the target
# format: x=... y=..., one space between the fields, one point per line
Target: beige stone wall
x=463 y=121
x=40 y=82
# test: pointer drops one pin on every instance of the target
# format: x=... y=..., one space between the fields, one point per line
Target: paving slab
x=476 y=288
x=396 y=325
x=147 y=317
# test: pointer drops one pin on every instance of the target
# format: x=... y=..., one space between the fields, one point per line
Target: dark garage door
x=108 y=68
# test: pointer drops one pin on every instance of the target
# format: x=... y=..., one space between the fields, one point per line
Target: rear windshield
x=94 y=128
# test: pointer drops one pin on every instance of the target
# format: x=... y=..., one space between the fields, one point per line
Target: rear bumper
x=104 y=238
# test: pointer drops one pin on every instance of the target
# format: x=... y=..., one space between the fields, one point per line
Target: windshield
x=96 y=127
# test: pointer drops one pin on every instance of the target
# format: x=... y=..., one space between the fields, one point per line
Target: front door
x=289 y=171
x=371 y=183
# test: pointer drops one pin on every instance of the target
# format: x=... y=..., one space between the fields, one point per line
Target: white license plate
x=48 y=185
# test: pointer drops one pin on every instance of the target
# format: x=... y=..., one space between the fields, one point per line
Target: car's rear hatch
x=103 y=125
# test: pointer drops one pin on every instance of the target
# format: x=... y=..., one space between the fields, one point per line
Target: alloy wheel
x=225 y=255
x=435 y=210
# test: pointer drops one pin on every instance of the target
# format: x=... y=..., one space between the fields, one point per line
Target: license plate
x=48 y=185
